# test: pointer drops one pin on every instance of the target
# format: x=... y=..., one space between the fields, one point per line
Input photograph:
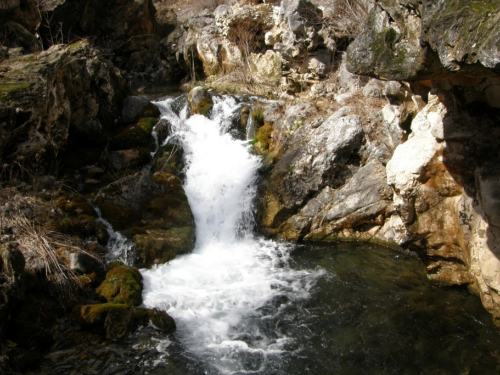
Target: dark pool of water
x=373 y=312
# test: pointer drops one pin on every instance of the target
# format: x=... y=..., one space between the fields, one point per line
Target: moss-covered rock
x=81 y=225
x=117 y=321
x=129 y=159
x=118 y=215
x=161 y=320
x=137 y=135
x=263 y=138
x=159 y=218
x=411 y=41
x=95 y=315
x=169 y=158
x=122 y=284
x=75 y=205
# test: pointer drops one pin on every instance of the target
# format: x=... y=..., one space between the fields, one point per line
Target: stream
x=248 y=305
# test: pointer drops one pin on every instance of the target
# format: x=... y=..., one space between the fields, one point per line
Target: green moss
x=82 y=225
x=77 y=46
x=169 y=158
x=131 y=232
x=7 y=90
x=263 y=138
x=482 y=6
x=92 y=315
x=147 y=124
x=123 y=284
x=137 y=135
x=390 y=37
x=75 y=205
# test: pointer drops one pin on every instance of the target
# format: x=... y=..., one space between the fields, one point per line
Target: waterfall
x=119 y=247
x=222 y=294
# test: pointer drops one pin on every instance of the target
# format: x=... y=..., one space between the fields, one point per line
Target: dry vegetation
x=345 y=17
x=23 y=222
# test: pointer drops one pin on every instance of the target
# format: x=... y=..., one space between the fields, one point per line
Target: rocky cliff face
x=52 y=99
x=420 y=171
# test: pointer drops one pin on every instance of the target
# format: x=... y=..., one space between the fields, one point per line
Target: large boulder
x=153 y=210
x=316 y=158
x=57 y=103
x=122 y=284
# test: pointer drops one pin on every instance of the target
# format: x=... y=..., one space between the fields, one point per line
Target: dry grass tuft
x=23 y=221
x=345 y=17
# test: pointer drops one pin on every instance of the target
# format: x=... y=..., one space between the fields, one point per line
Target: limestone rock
x=363 y=201
x=373 y=89
x=453 y=37
x=315 y=161
x=267 y=67
x=200 y=101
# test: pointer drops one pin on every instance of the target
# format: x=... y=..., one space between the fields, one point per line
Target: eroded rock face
x=282 y=45
x=56 y=100
x=445 y=185
x=412 y=41
x=316 y=158
x=422 y=175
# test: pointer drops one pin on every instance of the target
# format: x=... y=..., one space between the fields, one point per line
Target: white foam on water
x=218 y=292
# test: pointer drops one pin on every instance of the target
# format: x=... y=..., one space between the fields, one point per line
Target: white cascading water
x=217 y=293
